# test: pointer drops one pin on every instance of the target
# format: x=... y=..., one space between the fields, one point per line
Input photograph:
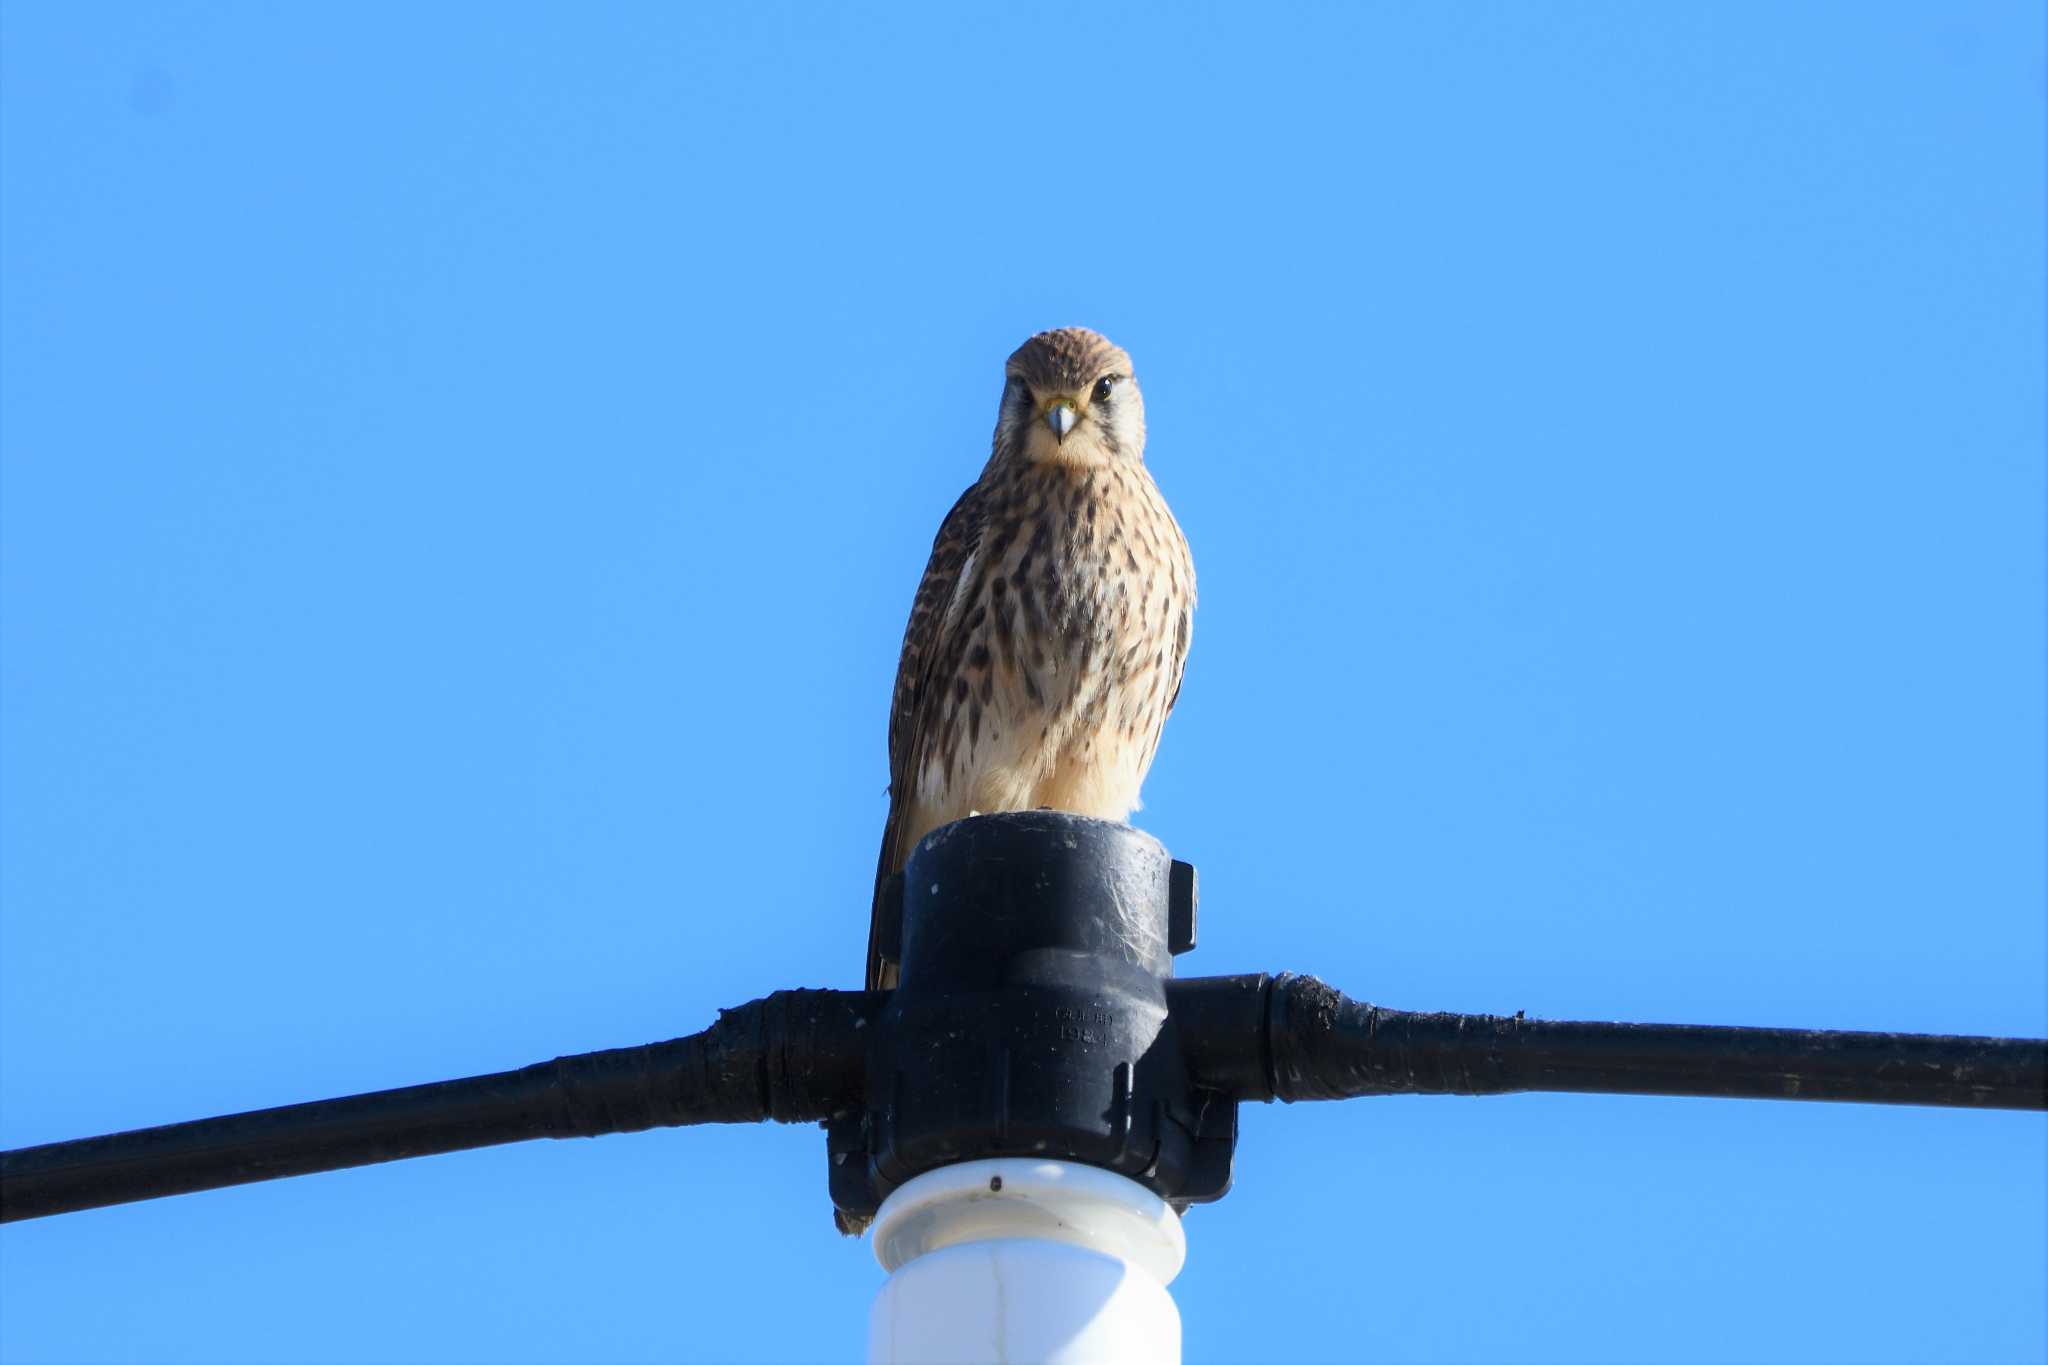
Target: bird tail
x=881 y=974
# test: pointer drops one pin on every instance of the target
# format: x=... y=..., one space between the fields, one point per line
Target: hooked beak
x=1061 y=418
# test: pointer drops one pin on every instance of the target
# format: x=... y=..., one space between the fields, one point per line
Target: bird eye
x=1103 y=387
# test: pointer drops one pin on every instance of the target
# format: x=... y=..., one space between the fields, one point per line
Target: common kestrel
x=1047 y=638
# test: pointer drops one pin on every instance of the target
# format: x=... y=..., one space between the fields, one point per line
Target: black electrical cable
x=795 y=1056
x=1320 y=1044
x=802 y=1056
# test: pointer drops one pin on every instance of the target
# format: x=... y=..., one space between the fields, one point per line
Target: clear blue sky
x=465 y=472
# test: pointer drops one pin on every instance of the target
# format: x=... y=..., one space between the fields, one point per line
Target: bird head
x=1069 y=396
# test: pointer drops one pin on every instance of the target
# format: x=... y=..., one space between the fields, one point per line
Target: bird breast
x=1067 y=628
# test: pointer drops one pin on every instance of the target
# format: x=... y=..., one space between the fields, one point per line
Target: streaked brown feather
x=958 y=534
x=1066 y=358
x=1049 y=634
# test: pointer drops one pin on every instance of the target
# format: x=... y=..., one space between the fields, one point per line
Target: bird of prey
x=1047 y=638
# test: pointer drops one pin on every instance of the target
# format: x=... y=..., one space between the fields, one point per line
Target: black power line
x=1323 y=1045
x=792 y=1056
x=795 y=1057
x=1035 y=1016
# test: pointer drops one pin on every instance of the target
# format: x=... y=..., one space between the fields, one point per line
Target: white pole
x=1027 y=1262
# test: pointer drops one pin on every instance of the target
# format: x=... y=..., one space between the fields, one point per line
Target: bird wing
x=1182 y=629
x=959 y=535
x=1177 y=659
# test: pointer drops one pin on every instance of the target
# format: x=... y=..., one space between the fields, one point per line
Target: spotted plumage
x=1048 y=635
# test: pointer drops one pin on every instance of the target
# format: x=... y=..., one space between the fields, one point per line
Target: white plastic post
x=1026 y=1262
